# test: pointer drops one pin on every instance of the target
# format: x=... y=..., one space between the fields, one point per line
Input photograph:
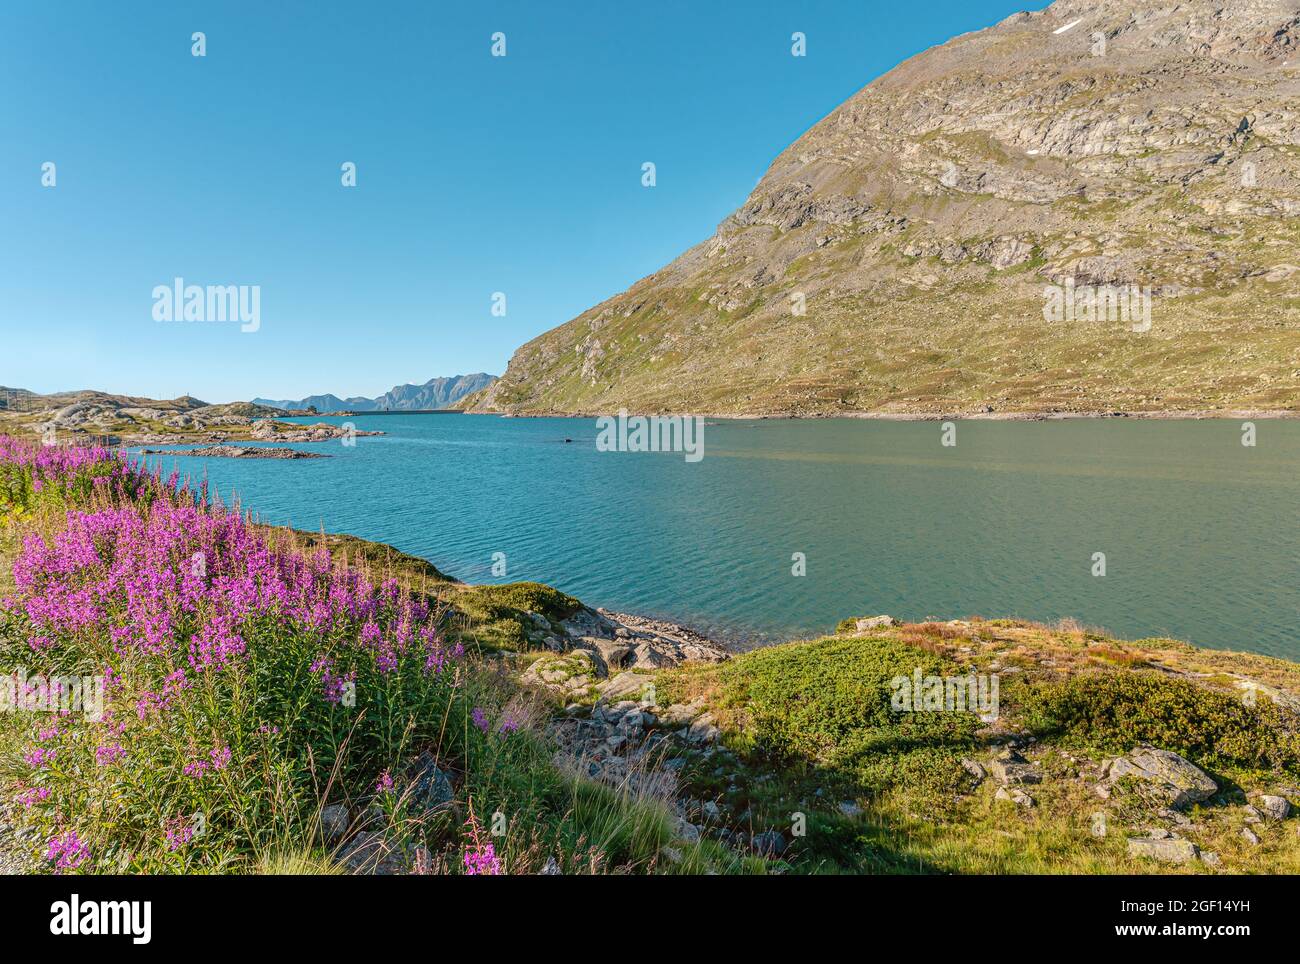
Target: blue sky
x=475 y=174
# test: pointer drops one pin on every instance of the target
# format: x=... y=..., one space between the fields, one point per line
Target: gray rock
x=850 y=809
x=1210 y=858
x=769 y=843
x=974 y=768
x=333 y=823
x=867 y=623
x=1011 y=769
x=370 y=853
x=430 y=788
x=1250 y=836
x=680 y=713
x=552 y=868
x=1016 y=796
x=703 y=730
x=1169 y=779
x=1273 y=807
x=1166 y=849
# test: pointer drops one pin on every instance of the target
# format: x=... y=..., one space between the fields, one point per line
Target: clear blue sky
x=475 y=174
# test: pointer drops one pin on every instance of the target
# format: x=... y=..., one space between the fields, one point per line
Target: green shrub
x=828 y=703
x=500 y=602
x=1115 y=712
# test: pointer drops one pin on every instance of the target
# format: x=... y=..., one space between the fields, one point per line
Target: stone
x=1250 y=836
x=681 y=713
x=647 y=656
x=1015 y=795
x=1169 y=779
x=624 y=685
x=1167 y=849
x=431 y=787
x=867 y=623
x=333 y=823
x=850 y=809
x=1173 y=816
x=1273 y=807
x=687 y=831
x=371 y=853
x=552 y=868
x=769 y=843
x=974 y=768
x=1210 y=858
x=703 y=730
x=1011 y=769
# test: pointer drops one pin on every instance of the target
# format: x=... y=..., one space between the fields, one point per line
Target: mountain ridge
x=436 y=393
x=1102 y=145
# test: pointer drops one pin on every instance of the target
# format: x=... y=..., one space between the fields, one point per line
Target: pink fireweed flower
x=220 y=757
x=385 y=782
x=480 y=719
x=179 y=832
x=33 y=795
x=39 y=756
x=482 y=859
x=110 y=754
x=67 y=851
x=509 y=724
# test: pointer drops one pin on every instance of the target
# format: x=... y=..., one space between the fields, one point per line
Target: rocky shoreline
x=237 y=452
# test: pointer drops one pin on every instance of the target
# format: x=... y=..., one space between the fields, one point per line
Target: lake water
x=1201 y=534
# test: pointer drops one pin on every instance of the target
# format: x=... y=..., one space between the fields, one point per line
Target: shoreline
x=988 y=416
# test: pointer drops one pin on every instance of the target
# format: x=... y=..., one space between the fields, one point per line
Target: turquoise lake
x=1201 y=534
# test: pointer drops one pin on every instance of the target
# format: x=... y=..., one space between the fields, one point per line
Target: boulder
x=769 y=843
x=1164 y=776
x=1273 y=807
x=431 y=787
x=333 y=823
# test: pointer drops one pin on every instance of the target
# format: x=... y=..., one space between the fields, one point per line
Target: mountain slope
x=435 y=393
x=1114 y=143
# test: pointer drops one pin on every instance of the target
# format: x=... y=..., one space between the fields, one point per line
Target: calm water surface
x=1201 y=534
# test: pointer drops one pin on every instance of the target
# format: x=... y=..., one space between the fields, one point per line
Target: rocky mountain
x=433 y=394
x=1087 y=208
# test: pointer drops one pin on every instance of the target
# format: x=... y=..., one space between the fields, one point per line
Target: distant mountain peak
x=436 y=393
